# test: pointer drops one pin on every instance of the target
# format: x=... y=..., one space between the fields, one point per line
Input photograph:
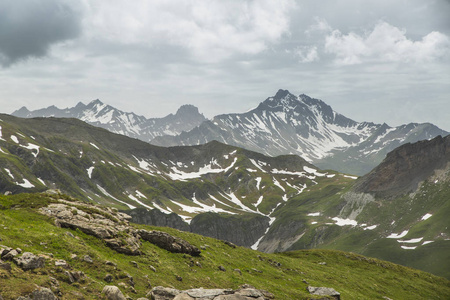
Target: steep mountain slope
x=99 y=114
x=94 y=164
x=76 y=264
x=288 y=124
x=398 y=212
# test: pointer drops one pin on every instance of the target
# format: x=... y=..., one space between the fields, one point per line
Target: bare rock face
x=29 y=261
x=168 y=242
x=405 y=167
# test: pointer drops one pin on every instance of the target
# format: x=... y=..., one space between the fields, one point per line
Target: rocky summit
x=308 y=127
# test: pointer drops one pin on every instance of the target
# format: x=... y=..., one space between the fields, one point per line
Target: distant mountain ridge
x=282 y=124
x=105 y=116
x=289 y=124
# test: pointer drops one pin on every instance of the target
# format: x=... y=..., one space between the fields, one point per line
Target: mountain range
x=397 y=212
x=282 y=124
x=130 y=124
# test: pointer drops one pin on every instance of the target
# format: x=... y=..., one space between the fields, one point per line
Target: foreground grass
x=286 y=275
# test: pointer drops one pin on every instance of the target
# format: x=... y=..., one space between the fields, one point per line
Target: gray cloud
x=28 y=28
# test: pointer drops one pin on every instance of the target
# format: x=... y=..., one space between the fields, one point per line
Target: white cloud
x=308 y=54
x=321 y=25
x=209 y=30
x=386 y=43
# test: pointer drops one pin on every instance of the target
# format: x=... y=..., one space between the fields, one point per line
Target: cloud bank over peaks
x=384 y=43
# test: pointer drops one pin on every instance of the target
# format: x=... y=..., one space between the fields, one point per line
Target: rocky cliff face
x=155 y=217
x=240 y=230
x=405 y=167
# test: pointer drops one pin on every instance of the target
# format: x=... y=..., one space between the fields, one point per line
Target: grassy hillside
x=285 y=275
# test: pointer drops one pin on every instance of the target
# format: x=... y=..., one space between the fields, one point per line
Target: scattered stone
x=73 y=256
x=221 y=268
x=238 y=271
x=29 y=261
x=43 y=243
x=110 y=263
x=322 y=263
x=108 y=278
x=386 y=298
x=324 y=291
x=10 y=254
x=19 y=250
x=88 y=259
x=168 y=242
x=229 y=244
x=130 y=279
x=142 y=298
x=152 y=268
x=260 y=258
x=112 y=292
x=179 y=278
x=304 y=281
x=135 y=264
x=198 y=264
x=70 y=234
x=255 y=270
x=62 y=263
x=74 y=276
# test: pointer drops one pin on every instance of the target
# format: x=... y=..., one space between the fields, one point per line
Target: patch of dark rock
x=108 y=278
x=168 y=242
x=229 y=244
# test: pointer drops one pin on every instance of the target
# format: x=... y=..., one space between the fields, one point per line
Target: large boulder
x=168 y=242
x=112 y=292
x=43 y=294
x=29 y=261
x=162 y=293
x=324 y=291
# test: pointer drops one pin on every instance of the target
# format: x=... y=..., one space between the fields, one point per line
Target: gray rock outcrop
x=105 y=224
x=29 y=261
x=244 y=293
x=324 y=291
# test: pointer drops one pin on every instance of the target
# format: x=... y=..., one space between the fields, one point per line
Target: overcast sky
x=380 y=61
